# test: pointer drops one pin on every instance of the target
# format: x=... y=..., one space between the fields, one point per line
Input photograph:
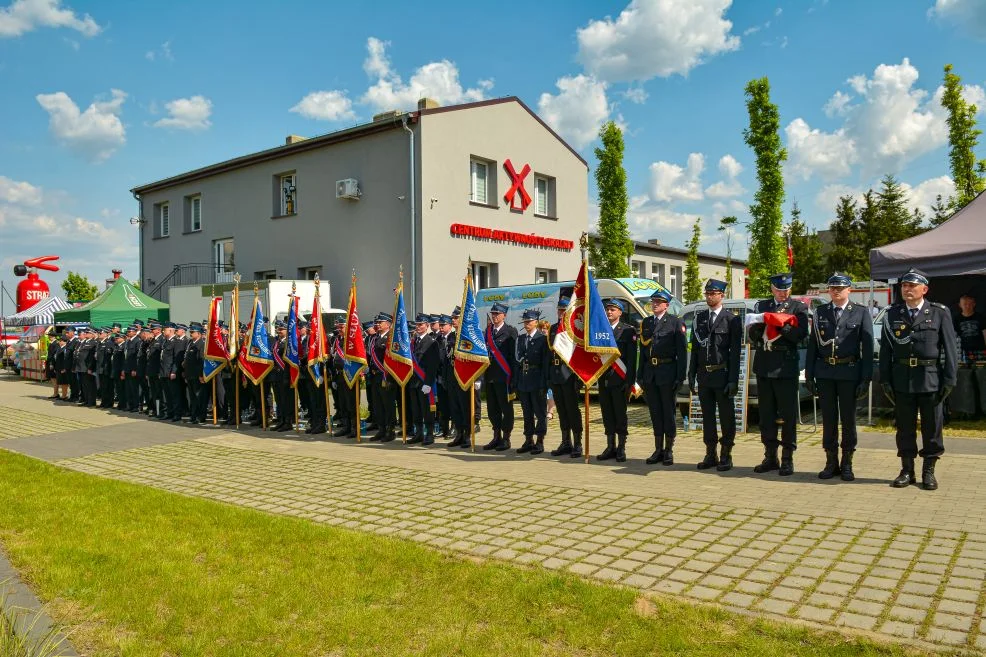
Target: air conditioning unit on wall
x=348 y=188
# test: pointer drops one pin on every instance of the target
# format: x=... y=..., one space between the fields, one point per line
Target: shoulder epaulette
x=940 y=305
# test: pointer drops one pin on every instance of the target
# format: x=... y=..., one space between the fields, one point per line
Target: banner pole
x=403 y=417
x=263 y=406
x=215 y=416
x=472 y=417
x=359 y=421
x=325 y=389
x=586 y=424
x=236 y=388
x=294 y=391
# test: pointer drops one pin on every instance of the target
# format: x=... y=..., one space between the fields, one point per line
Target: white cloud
x=436 y=80
x=837 y=105
x=828 y=197
x=187 y=114
x=670 y=182
x=636 y=95
x=830 y=155
x=730 y=168
x=655 y=38
x=579 y=109
x=164 y=52
x=925 y=193
x=96 y=133
x=752 y=30
x=21 y=193
x=24 y=16
x=968 y=14
x=325 y=106
x=646 y=220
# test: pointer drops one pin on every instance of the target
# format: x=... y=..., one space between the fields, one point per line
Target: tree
x=848 y=254
x=610 y=252
x=78 y=288
x=693 y=284
x=809 y=266
x=767 y=249
x=963 y=136
x=727 y=225
x=940 y=211
x=895 y=220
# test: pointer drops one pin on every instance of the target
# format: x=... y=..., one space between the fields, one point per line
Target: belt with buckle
x=557 y=361
x=715 y=368
x=525 y=367
x=840 y=361
x=661 y=361
x=917 y=362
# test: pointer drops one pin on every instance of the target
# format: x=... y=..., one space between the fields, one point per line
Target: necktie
x=914 y=313
x=838 y=313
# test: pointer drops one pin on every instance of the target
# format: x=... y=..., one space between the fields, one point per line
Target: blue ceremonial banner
x=398 y=358
x=471 y=354
x=292 y=355
x=599 y=337
x=256 y=360
x=210 y=368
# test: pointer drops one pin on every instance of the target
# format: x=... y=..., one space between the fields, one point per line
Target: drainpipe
x=140 y=239
x=414 y=259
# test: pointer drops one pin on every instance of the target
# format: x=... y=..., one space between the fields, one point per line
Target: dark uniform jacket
x=558 y=371
x=505 y=341
x=51 y=361
x=375 y=357
x=446 y=357
x=69 y=356
x=119 y=360
x=142 y=358
x=781 y=360
x=169 y=351
x=303 y=356
x=336 y=361
x=715 y=356
x=425 y=350
x=841 y=350
x=532 y=357
x=194 y=359
x=626 y=340
x=919 y=356
x=84 y=356
x=100 y=356
x=106 y=362
x=179 y=345
x=663 y=351
x=131 y=354
x=154 y=348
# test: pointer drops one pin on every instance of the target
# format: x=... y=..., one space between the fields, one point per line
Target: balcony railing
x=192 y=273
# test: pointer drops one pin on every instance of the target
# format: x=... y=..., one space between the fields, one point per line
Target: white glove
x=754 y=318
x=426 y=389
x=335 y=385
x=477 y=385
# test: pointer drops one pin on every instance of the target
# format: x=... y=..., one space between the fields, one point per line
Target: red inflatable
x=33 y=289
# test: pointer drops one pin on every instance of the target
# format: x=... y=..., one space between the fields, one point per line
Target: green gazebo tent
x=120 y=302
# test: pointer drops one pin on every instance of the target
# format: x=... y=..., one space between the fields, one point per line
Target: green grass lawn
x=955 y=428
x=137 y=571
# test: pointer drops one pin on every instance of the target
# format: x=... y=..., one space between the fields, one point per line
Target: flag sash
x=420 y=373
x=497 y=354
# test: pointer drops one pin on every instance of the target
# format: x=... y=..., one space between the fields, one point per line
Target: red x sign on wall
x=517 y=187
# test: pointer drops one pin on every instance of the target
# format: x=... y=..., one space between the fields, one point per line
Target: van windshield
x=674 y=307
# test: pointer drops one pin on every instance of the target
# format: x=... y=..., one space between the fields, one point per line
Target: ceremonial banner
x=256 y=359
x=317 y=353
x=398 y=359
x=215 y=345
x=587 y=345
x=353 y=346
x=292 y=356
x=232 y=344
x=471 y=355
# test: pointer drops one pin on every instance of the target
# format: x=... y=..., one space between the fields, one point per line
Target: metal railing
x=191 y=273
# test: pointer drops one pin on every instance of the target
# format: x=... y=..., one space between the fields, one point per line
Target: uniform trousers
x=778 y=405
x=345 y=399
x=661 y=399
x=498 y=408
x=442 y=415
x=711 y=398
x=420 y=409
x=534 y=405
x=906 y=413
x=173 y=386
x=133 y=392
x=459 y=405
x=121 y=392
x=87 y=383
x=316 y=404
x=106 y=390
x=383 y=403
x=613 y=402
x=285 y=400
x=196 y=407
x=838 y=402
x=153 y=393
x=567 y=405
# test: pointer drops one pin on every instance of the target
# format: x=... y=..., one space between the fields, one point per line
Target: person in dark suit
x=343 y=396
x=85 y=367
x=192 y=369
x=169 y=373
x=565 y=389
x=118 y=364
x=532 y=358
x=616 y=384
x=102 y=342
x=777 y=366
x=282 y=379
x=461 y=400
x=107 y=384
x=154 y=346
x=918 y=371
x=369 y=330
x=142 y=388
x=383 y=384
x=61 y=377
x=713 y=374
x=498 y=379
x=663 y=368
x=131 y=351
x=51 y=373
x=68 y=363
x=421 y=387
x=838 y=368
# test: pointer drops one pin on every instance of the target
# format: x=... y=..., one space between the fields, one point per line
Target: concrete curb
x=20 y=599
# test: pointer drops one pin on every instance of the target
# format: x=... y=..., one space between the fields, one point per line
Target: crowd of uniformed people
x=158 y=369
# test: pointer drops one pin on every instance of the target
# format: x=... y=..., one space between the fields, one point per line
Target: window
x=478 y=175
x=164 y=220
x=484 y=275
x=638 y=268
x=544 y=196
x=542 y=276
x=224 y=260
x=269 y=275
x=193 y=213
x=308 y=273
x=287 y=195
x=657 y=272
x=674 y=285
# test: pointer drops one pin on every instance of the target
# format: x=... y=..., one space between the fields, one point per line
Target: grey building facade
x=424 y=191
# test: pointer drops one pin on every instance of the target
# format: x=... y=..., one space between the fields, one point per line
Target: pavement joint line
x=942 y=583
x=977 y=616
x=794 y=564
x=742 y=546
x=895 y=590
x=810 y=589
x=763 y=595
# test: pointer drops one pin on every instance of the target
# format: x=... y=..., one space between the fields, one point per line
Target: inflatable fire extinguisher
x=32 y=289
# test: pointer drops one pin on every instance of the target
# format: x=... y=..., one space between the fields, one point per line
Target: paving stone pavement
x=908 y=565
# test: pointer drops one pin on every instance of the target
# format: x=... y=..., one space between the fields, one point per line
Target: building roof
x=650 y=246
x=363 y=130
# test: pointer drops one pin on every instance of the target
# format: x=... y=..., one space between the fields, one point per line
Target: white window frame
x=674 y=281
x=191 y=211
x=292 y=181
x=482 y=270
x=549 y=275
x=164 y=219
x=542 y=198
x=474 y=186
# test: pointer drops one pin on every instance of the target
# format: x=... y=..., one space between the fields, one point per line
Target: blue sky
x=97 y=97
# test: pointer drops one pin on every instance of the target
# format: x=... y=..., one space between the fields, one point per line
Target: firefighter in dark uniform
x=615 y=386
x=838 y=368
x=118 y=371
x=369 y=330
x=107 y=386
x=713 y=374
x=344 y=396
x=192 y=364
x=420 y=388
x=918 y=370
x=67 y=373
x=663 y=368
x=565 y=389
x=170 y=409
x=498 y=379
x=102 y=344
x=84 y=367
x=282 y=380
x=777 y=366
x=142 y=393
x=131 y=353
x=532 y=358
x=383 y=384
x=154 y=346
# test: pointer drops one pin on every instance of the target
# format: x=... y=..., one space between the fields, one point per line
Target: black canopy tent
x=953 y=256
